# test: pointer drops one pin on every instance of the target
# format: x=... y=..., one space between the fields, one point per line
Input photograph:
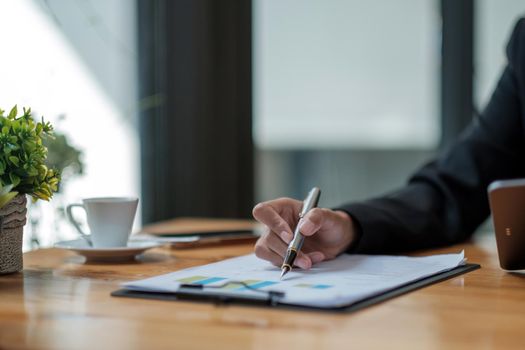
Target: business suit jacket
x=446 y=200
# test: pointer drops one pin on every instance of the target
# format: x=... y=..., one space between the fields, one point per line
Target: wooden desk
x=59 y=302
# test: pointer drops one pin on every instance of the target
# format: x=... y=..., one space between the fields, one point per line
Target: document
x=339 y=282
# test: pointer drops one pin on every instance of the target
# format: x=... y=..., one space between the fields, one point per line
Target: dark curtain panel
x=196 y=108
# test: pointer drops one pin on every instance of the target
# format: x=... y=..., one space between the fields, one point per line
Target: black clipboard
x=205 y=295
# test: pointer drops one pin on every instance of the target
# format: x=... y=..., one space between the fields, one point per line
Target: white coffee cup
x=109 y=219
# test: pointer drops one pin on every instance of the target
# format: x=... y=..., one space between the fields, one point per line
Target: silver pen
x=297 y=242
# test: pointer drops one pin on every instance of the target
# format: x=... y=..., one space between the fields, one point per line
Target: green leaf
x=30 y=146
x=13 y=113
x=5 y=189
x=31 y=171
x=14 y=160
x=12 y=146
x=42 y=171
x=6 y=198
x=15 y=180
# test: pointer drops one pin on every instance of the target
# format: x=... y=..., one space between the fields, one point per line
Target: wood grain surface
x=59 y=301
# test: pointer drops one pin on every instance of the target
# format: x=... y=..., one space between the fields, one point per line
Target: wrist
x=348 y=230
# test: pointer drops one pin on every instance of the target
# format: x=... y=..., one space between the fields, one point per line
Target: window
x=494 y=22
x=346 y=74
x=76 y=59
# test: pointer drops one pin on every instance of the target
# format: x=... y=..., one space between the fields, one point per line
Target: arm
x=446 y=200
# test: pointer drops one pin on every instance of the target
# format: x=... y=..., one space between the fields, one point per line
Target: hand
x=328 y=233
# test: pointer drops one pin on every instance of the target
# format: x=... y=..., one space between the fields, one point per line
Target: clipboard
x=267 y=300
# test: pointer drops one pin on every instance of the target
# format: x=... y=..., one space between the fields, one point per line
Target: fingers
x=313 y=221
x=316 y=257
x=276 y=244
x=263 y=252
x=272 y=248
x=303 y=261
x=273 y=245
x=269 y=214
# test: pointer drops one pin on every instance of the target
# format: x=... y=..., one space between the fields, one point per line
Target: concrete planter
x=12 y=221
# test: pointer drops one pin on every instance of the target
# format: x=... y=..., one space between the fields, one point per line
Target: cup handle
x=69 y=212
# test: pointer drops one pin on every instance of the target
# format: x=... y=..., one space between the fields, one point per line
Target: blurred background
x=204 y=108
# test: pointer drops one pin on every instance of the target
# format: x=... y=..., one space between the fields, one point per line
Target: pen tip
x=284 y=271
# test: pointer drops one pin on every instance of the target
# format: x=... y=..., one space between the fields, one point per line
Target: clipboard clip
x=273 y=296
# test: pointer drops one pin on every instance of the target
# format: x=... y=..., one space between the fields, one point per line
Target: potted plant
x=22 y=172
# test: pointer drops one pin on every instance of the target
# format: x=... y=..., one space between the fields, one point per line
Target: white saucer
x=129 y=252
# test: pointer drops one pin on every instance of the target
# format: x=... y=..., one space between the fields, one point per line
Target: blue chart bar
x=322 y=286
x=259 y=285
x=210 y=280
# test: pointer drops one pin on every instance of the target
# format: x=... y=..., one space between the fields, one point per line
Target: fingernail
x=286 y=236
x=306 y=227
x=302 y=263
x=316 y=257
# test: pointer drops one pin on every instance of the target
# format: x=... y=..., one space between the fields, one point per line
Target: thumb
x=312 y=221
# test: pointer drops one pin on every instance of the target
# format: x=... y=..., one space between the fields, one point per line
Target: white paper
x=342 y=281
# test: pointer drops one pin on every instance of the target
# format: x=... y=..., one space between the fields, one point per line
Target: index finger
x=266 y=214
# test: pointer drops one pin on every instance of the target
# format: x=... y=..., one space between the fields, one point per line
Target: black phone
x=507 y=203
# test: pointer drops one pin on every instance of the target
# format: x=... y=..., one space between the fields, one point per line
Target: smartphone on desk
x=197 y=232
x=507 y=204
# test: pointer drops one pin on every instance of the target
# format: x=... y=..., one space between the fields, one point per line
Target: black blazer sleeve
x=446 y=200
